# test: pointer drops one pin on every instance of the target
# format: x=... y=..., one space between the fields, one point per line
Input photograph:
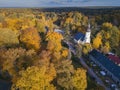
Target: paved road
x=70 y=47
x=90 y=72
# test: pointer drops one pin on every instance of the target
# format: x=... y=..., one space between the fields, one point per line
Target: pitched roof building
x=81 y=38
x=105 y=63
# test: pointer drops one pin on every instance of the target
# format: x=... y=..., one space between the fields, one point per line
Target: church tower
x=87 y=35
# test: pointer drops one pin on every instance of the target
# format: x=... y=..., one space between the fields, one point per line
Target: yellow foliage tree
x=9 y=58
x=30 y=38
x=65 y=53
x=8 y=37
x=55 y=40
x=107 y=25
x=14 y=24
x=33 y=78
x=106 y=48
x=79 y=79
x=86 y=48
x=0 y=25
x=97 y=41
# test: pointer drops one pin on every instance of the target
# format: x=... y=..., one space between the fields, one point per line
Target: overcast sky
x=57 y=3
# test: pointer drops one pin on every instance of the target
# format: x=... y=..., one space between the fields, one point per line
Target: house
x=106 y=64
x=81 y=38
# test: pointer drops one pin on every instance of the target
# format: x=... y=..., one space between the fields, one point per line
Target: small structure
x=81 y=38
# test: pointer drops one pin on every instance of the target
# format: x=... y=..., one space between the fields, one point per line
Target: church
x=81 y=38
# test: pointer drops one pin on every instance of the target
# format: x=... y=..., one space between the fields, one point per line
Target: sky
x=58 y=3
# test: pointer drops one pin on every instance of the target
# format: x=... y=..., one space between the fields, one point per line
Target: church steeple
x=88 y=29
x=87 y=35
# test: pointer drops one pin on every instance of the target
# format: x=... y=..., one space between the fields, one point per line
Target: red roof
x=114 y=58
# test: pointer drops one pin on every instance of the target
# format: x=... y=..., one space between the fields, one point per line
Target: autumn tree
x=64 y=71
x=79 y=79
x=86 y=48
x=40 y=25
x=8 y=37
x=55 y=39
x=106 y=26
x=15 y=59
x=8 y=59
x=111 y=35
x=30 y=38
x=43 y=59
x=106 y=48
x=65 y=53
x=33 y=78
x=97 y=41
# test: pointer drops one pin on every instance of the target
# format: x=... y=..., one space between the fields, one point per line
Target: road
x=70 y=47
x=91 y=73
x=89 y=70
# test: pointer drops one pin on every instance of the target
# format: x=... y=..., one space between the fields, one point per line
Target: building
x=81 y=38
x=106 y=64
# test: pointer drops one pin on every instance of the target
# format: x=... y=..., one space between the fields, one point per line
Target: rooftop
x=80 y=36
x=114 y=58
x=106 y=62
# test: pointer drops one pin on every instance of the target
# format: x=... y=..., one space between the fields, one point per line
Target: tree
x=30 y=38
x=33 y=78
x=8 y=37
x=79 y=79
x=43 y=59
x=86 y=48
x=64 y=71
x=65 y=53
x=8 y=59
x=55 y=40
x=97 y=41
x=15 y=59
x=106 y=48
x=110 y=34
x=106 y=26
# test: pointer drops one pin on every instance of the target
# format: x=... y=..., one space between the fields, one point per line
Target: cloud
x=57 y=3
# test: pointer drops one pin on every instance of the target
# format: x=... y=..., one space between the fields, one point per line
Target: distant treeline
x=100 y=14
